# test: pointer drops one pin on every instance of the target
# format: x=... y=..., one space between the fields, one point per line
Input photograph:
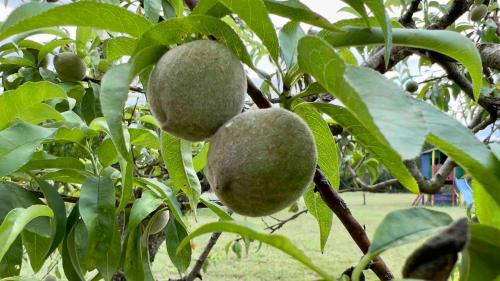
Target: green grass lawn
x=271 y=264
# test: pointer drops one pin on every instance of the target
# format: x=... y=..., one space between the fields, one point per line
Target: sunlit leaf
x=98 y=15
x=277 y=241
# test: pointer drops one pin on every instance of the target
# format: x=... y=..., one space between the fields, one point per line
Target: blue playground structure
x=456 y=186
x=465 y=189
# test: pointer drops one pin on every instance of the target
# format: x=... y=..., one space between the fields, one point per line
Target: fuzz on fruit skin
x=261 y=161
x=411 y=86
x=69 y=67
x=478 y=13
x=195 y=88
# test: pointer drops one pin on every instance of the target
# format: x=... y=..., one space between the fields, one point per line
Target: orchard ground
x=270 y=264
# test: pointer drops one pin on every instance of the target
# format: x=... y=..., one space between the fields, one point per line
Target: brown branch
x=257 y=96
x=407 y=18
x=97 y=81
x=195 y=271
x=457 y=9
x=370 y=187
x=357 y=232
x=490 y=104
x=376 y=61
x=490 y=55
x=275 y=227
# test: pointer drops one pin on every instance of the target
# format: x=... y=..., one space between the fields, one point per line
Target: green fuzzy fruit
x=50 y=277
x=478 y=13
x=195 y=88
x=411 y=86
x=261 y=161
x=159 y=222
x=69 y=67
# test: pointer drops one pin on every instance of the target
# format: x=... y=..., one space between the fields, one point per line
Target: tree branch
x=281 y=223
x=97 y=81
x=376 y=61
x=434 y=185
x=371 y=187
x=195 y=271
x=490 y=55
x=490 y=104
x=357 y=232
x=407 y=18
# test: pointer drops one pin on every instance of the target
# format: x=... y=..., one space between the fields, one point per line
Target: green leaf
x=152 y=10
x=40 y=247
x=297 y=11
x=217 y=209
x=314 y=54
x=18 y=143
x=11 y=263
x=446 y=42
x=321 y=212
x=71 y=268
x=458 y=143
x=78 y=247
x=289 y=36
x=39 y=113
x=378 y=9
x=364 y=100
x=254 y=13
x=97 y=209
x=167 y=195
x=144 y=137
x=21 y=101
x=495 y=148
x=328 y=158
x=487 y=210
x=359 y=7
x=107 y=153
x=200 y=160
x=177 y=155
x=56 y=203
x=481 y=259
x=127 y=173
x=109 y=268
x=97 y=15
x=49 y=47
x=67 y=175
x=176 y=233
x=277 y=241
x=417 y=121
x=118 y=47
x=141 y=209
x=404 y=226
x=175 y=30
x=53 y=163
x=114 y=94
x=15 y=222
x=134 y=262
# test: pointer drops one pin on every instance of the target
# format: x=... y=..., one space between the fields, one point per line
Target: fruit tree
x=121 y=119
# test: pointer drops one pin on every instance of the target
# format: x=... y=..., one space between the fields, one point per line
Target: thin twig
x=281 y=223
x=97 y=81
x=196 y=270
